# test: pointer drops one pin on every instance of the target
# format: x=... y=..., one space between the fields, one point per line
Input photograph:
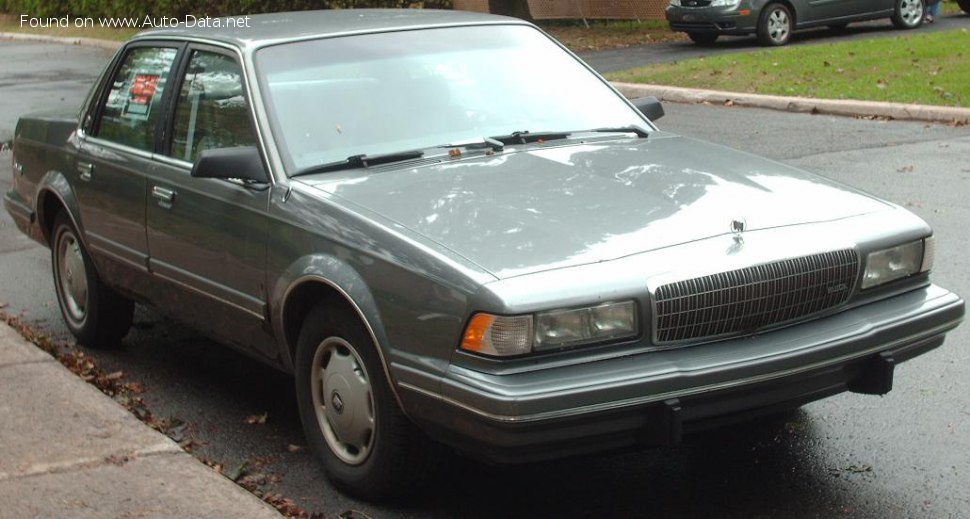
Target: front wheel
x=350 y=416
x=96 y=315
x=775 y=25
x=908 y=14
x=705 y=38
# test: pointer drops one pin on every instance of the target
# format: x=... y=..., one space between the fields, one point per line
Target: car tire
x=908 y=14
x=965 y=5
x=350 y=417
x=97 y=315
x=775 y=25
x=704 y=38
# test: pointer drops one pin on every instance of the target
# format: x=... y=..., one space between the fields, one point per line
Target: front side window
x=211 y=110
x=133 y=104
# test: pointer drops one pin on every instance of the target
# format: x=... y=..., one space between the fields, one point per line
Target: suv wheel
x=707 y=38
x=350 y=416
x=96 y=315
x=908 y=14
x=775 y=25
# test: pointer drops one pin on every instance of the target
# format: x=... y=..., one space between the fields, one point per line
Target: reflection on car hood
x=519 y=212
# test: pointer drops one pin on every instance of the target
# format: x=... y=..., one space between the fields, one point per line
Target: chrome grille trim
x=746 y=300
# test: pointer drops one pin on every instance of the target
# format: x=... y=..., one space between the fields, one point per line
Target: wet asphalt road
x=903 y=455
x=613 y=60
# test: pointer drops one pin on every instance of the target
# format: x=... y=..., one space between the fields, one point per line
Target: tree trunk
x=516 y=8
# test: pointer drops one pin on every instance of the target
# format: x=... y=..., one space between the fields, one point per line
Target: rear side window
x=133 y=104
x=211 y=110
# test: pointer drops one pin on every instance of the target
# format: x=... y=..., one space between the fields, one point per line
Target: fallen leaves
x=248 y=475
x=256 y=419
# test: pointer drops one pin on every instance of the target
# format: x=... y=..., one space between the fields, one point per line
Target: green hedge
x=180 y=8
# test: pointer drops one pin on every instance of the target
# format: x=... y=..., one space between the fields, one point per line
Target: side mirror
x=649 y=106
x=242 y=163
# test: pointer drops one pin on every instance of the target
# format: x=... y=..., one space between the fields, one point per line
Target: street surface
x=613 y=60
x=903 y=455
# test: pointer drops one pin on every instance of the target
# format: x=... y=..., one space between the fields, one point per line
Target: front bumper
x=712 y=20
x=652 y=398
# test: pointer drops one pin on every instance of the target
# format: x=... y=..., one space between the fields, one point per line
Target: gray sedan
x=773 y=21
x=451 y=231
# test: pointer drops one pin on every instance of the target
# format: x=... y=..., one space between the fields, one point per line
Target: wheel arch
x=54 y=194
x=761 y=4
x=313 y=280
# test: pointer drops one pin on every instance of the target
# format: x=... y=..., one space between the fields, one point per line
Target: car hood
x=527 y=210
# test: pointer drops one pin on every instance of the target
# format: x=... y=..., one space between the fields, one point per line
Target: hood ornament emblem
x=738 y=226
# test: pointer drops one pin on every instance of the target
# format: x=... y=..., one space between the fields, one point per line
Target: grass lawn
x=914 y=68
x=11 y=23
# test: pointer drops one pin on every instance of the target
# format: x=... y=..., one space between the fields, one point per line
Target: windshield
x=380 y=93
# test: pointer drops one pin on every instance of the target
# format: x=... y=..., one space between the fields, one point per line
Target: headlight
x=725 y=3
x=897 y=262
x=561 y=328
x=675 y=3
x=504 y=336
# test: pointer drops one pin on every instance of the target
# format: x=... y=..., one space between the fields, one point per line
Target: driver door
x=207 y=237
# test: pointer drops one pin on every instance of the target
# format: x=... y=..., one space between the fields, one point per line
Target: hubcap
x=911 y=11
x=73 y=277
x=343 y=400
x=779 y=25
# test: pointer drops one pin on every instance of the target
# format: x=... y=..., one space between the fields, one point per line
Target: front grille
x=748 y=299
x=693 y=26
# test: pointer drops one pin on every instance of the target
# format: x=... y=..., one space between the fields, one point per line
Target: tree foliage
x=180 y=8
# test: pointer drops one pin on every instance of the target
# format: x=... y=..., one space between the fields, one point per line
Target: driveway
x=630 y=57
x=903 y=455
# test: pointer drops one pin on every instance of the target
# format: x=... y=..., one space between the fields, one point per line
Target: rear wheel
x=908 y=14
x=705 y=38
x=775 y=25
x=96 y=315
x=350 y=416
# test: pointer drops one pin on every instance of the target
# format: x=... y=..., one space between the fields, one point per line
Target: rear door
x=207 y=237
x=115 y=151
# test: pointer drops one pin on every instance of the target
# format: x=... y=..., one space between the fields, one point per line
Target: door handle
x=164 y=196
x=86 y=169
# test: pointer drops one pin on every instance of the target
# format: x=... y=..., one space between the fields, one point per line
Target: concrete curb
x=69 y=450
x=43 y=38
x=899 y=111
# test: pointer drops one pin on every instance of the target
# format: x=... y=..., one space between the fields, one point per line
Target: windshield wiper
x=361 y=161
x=525 y=137
x=484 y=144
x=640 y=132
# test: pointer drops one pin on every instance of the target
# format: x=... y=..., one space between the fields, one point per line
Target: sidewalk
x=67 y=450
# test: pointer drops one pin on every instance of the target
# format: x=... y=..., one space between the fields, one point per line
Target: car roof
x=272 y=28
